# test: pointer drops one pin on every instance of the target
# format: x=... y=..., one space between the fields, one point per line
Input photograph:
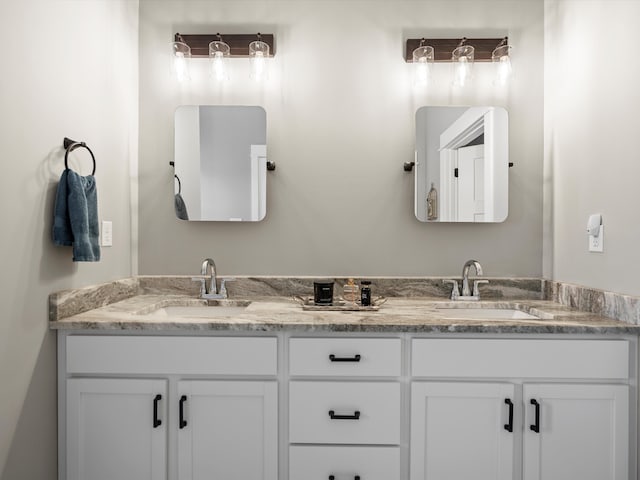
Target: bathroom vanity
x=269 y=391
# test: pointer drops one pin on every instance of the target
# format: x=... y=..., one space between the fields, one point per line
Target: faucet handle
x=476 y=290
x=455 y=291
x=223 y=287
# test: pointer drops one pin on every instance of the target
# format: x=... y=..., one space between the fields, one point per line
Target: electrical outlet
x=107 y=233
x=596 y=244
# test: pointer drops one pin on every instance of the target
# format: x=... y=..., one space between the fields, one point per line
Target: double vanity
x=158 y=383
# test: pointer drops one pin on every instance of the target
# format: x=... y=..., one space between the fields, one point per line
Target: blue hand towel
x=180 y=207
x=62 y=234
x=76 y=216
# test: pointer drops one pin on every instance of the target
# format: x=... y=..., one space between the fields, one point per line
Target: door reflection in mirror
x=221 y=160
x=462 y=164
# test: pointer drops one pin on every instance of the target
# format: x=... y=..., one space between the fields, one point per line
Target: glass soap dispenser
x=350 y=291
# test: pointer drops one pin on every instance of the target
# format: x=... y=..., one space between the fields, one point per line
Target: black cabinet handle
x=355 y=416
x=536 y=426
x=332 y=477
x=156 y=421
x=509 y=426
x=355 y=358
x=183 y=422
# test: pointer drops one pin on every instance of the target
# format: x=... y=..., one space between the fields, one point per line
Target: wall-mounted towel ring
x=179 y=184
x=70 y=146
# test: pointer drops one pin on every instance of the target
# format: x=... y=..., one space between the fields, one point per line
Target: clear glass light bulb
x=258 y=54
x=258 y=66
x=180 y=66
x=501 y=57
x=218 y=54
x=462 y=71
x=218 y=67
x=181 y=53
x=422 y=71
x=422 y=59
x=504 y=70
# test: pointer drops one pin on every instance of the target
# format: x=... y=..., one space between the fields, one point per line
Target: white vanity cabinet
x=168 y=407
x=346 y=406
x=563 y=403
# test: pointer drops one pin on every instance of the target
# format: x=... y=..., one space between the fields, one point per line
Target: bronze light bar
x=238 y=43
x=443 y=47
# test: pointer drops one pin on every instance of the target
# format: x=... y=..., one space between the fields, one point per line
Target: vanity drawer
x=97 y=354
x=363 y=412
x=344 y=463
x=597 y=359
x=345 y=356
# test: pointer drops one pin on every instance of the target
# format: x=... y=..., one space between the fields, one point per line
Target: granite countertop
x=144 y=310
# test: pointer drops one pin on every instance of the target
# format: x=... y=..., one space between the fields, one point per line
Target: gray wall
x=69 y=69
x=340 y=111
x=592 y=164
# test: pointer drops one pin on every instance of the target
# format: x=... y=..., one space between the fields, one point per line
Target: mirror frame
x=196 y=157
x=474 y=121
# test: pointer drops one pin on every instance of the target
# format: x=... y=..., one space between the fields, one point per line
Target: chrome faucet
x=209 y=281
x=466 y=293
x=207 y=265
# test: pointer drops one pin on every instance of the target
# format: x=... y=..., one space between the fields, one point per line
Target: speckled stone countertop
x=267 y=304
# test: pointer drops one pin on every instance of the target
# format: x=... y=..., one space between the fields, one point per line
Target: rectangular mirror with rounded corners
x=462 y=164
x=220 y=163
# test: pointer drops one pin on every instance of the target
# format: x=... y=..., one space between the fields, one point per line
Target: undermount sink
x=215 y=308
x=484 y=313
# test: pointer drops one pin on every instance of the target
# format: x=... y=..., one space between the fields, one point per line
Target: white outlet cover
x=107 y=234
x=596 y=244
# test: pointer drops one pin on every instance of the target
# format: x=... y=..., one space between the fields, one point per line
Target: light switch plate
x=596 y=244
x=107 y=233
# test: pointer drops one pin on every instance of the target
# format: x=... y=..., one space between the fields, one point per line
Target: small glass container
x=350 y=291
x=365 y=293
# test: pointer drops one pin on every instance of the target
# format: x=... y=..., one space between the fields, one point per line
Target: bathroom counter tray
x=340 y=305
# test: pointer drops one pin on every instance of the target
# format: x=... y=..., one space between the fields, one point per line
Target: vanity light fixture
x=180 y=54
x=423 y=59
x=218 y=54
x=501 y=57
x=219 y=48
x=462 y=53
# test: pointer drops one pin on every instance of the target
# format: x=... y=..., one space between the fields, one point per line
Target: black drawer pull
x=183 y=422
x=332 y=477
x=355 y=358
x=156 y=421
x=355 y=416
x=536 y=426
x=509 y=426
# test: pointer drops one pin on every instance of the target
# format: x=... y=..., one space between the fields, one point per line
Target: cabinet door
x=116 y=429
x=582 y=432
x=228 y=430
x=461 y=430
